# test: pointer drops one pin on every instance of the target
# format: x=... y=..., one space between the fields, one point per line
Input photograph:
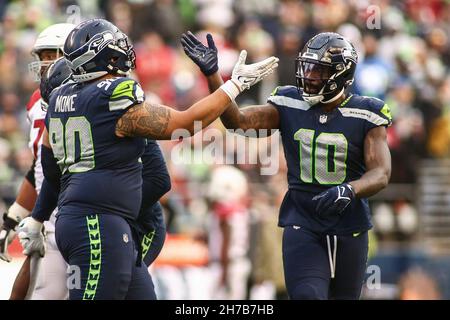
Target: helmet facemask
x=126 y=59
x=48 y=47
x=39 y=65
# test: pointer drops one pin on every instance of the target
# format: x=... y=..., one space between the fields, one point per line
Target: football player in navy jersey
x=155 y=183
x=96 y=130
x=337 y=156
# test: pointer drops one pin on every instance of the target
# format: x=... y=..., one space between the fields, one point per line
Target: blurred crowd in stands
x=404 y=59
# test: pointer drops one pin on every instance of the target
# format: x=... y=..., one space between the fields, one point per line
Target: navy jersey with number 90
x=101 y=173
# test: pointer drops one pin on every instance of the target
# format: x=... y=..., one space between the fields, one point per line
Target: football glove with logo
x=334 y=200
x=32 y=236
x=243 y=77
x=205 y=57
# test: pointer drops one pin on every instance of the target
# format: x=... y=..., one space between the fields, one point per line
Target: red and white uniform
x=36 y=116
x=51 y=280
x=238 y=219
x=36 y=111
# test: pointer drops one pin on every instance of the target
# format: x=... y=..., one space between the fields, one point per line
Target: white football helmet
x=52 y=38
x=227 y=185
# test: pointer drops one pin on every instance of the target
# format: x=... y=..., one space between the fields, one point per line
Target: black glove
x=203 y=56
x=334 y=200
x=7 y=234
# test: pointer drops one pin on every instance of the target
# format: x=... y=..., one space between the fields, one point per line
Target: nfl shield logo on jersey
x=323 y=118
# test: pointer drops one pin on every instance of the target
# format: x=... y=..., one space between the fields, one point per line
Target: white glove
x=8 y=228
x=32 y=237
x=244 y=76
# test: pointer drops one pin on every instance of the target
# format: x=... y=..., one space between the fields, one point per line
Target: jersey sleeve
x=123 y=94
x=33 y=99
x=286 y=96
x=272 y=99
x=156 y=178
x=288 y=101
x=379 y=114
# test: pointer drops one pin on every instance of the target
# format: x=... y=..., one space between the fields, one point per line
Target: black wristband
x=8 y=223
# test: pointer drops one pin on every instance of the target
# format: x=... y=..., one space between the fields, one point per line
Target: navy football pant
x=310 y=258
x=102 y=247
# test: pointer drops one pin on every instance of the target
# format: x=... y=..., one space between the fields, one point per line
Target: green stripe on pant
x=147 y=242
x=95 y=257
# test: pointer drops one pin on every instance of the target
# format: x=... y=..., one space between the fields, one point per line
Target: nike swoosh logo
x=355 y=234
x=246 y=80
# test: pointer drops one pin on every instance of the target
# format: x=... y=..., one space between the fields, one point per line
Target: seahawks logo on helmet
x=95 y=48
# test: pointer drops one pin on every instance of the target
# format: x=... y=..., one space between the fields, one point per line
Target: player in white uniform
x=51 y=280
x=229 y=233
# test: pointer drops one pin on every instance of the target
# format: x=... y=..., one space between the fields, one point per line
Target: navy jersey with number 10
x=101 y=173
x=324 y=149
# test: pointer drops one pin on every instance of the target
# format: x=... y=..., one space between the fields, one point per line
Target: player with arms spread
x=95 y=136
x=337 y=156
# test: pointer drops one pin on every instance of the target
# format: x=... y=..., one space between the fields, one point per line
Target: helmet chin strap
x=315 y=99
x=88 y=76
x=335 y=97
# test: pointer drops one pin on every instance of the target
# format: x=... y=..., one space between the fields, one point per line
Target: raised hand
x=203 y=56
x=248 y=75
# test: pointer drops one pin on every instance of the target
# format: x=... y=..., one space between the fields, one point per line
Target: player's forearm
x=48 y=197
x=371 y=182
x=24 y=203
x=378 y=163
x=252 y=117
x=27 y=195
x=46 y=202
x=205 y=111
x=159 y=122
x=231 y=118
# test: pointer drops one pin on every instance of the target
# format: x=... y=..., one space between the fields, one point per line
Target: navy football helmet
x=325 y=67
x=57 y=74
x=97 y=47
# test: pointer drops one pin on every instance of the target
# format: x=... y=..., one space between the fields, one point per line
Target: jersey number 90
x=65 y=140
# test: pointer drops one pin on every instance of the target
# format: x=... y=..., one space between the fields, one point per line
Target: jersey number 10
x=314 y=156
x=64 y=140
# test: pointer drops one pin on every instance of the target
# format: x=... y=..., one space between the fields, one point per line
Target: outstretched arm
x=377 y=159
x=252 y=117
x=160 y=122
x=48 y=197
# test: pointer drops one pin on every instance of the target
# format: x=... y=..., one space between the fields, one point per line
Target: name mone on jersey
x=65 y=103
